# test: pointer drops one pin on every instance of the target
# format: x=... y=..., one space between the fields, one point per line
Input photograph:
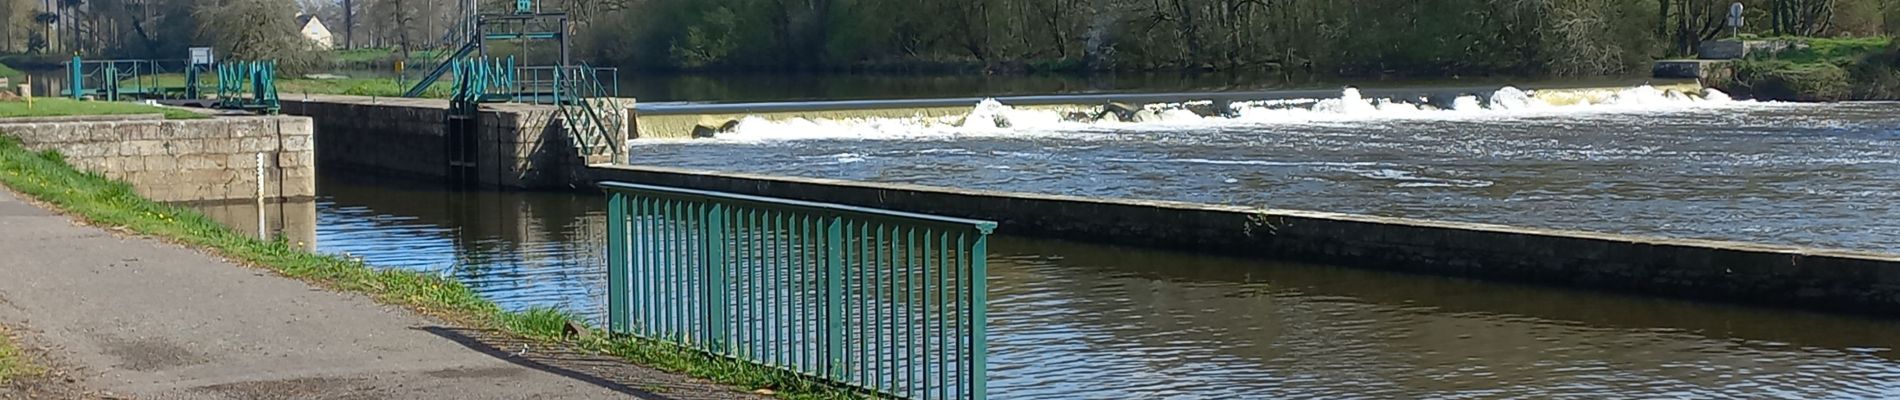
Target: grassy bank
x=103 y=202
x=12 y=362
x=14 y=76
x=1820 y=70
x=62 y=107
x=288 y=87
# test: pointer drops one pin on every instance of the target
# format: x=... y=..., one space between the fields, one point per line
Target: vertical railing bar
x=960 y=323
x=647 y=259
x=891 y=268
x=911 y=317
x=617 y=267
x=718 y=331
x=667 y=261
x=929 y=249
x=808 y=259
x=834 y=341
x=864 y=304
x=979 y=317
x=943 y=315
x=761 y=242
x=746 y=237
x=776 y=278
x=877 y=312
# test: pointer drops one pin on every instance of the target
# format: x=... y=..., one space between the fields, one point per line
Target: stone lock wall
x=184 y=160
x=519 y=146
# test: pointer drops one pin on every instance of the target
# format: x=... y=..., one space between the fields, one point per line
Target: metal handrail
x=843 y=294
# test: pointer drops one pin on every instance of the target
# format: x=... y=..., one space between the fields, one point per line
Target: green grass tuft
x=62 y=107
x=105 y=202
x=15 y=76
x=13 y=364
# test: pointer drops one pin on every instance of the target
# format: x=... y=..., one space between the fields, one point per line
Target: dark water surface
x=1077 y=321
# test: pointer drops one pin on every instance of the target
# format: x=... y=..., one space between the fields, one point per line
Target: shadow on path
x=594 y=369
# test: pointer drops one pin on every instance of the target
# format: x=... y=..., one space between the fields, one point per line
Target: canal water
x=1639 y=161
x=1079 y=321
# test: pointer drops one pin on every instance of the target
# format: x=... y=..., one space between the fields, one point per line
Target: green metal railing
x=248 y=85
x=481 y=81
x=591 y=114
x=888 y=302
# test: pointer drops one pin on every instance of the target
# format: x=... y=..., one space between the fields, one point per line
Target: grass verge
x=13 y=363
x=13 y=76
x=288 y=87
x=104 y=202
x=61 y=107
x=1819 y=70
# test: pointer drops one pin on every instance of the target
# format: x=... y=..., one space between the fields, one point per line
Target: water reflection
x=1076 y=321
x=293 y=220
x=519 y=249
x=1080 y=321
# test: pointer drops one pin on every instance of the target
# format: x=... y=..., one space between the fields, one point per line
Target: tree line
x=1322 y=37
x=1353 y=38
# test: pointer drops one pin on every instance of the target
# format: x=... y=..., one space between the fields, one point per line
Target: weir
x=689 y=120
x=1860 y=282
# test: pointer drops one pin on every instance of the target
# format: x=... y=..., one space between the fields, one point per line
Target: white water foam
x=991 y=118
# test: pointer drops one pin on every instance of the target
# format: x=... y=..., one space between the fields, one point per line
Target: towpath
x=132 y=317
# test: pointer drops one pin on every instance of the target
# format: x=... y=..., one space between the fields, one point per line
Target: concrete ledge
x=84 y=118
x=1856 y=282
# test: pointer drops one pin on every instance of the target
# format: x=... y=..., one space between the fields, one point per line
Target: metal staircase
x=592 y=114
x=437 y=58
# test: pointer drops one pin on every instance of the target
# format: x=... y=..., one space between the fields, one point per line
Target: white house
x=314 y=30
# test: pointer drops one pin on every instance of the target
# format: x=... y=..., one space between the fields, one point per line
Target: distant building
x=314 y=30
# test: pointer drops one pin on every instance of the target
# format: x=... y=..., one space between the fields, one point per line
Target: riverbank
x=62 y=107
x=112 y=205
x=1812 y=69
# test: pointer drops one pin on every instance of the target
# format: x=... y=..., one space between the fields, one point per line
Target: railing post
x=618 y=265
x=979 y=316
x=78 y=83
x=713 y=230
x=834 y=299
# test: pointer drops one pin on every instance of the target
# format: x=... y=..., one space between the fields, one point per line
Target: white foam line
x=992 y=119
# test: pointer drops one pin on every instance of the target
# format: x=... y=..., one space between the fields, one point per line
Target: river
x=1080 y=321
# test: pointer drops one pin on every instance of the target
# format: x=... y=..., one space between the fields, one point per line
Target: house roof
x=303 y=20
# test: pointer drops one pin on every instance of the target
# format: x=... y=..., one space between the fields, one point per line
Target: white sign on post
x=1735 y=15
x=201 y=56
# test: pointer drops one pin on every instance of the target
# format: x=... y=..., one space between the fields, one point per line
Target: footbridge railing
x=888 y=302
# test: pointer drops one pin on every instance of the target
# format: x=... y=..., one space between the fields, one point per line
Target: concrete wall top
x=83 y=118
x=603 y=171
x=1862 y=282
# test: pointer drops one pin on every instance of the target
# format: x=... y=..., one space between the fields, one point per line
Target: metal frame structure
x=891 y=303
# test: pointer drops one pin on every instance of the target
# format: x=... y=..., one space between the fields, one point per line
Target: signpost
x=202 y=56
x=1735 y=20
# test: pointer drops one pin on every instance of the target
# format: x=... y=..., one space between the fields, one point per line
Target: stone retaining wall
x=1775 y=275
x=185 y=160
x=520 y=146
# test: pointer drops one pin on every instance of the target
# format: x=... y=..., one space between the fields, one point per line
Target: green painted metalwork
x=482 y=81
x=248 y=85
x=114 y=80
x=887 y=302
